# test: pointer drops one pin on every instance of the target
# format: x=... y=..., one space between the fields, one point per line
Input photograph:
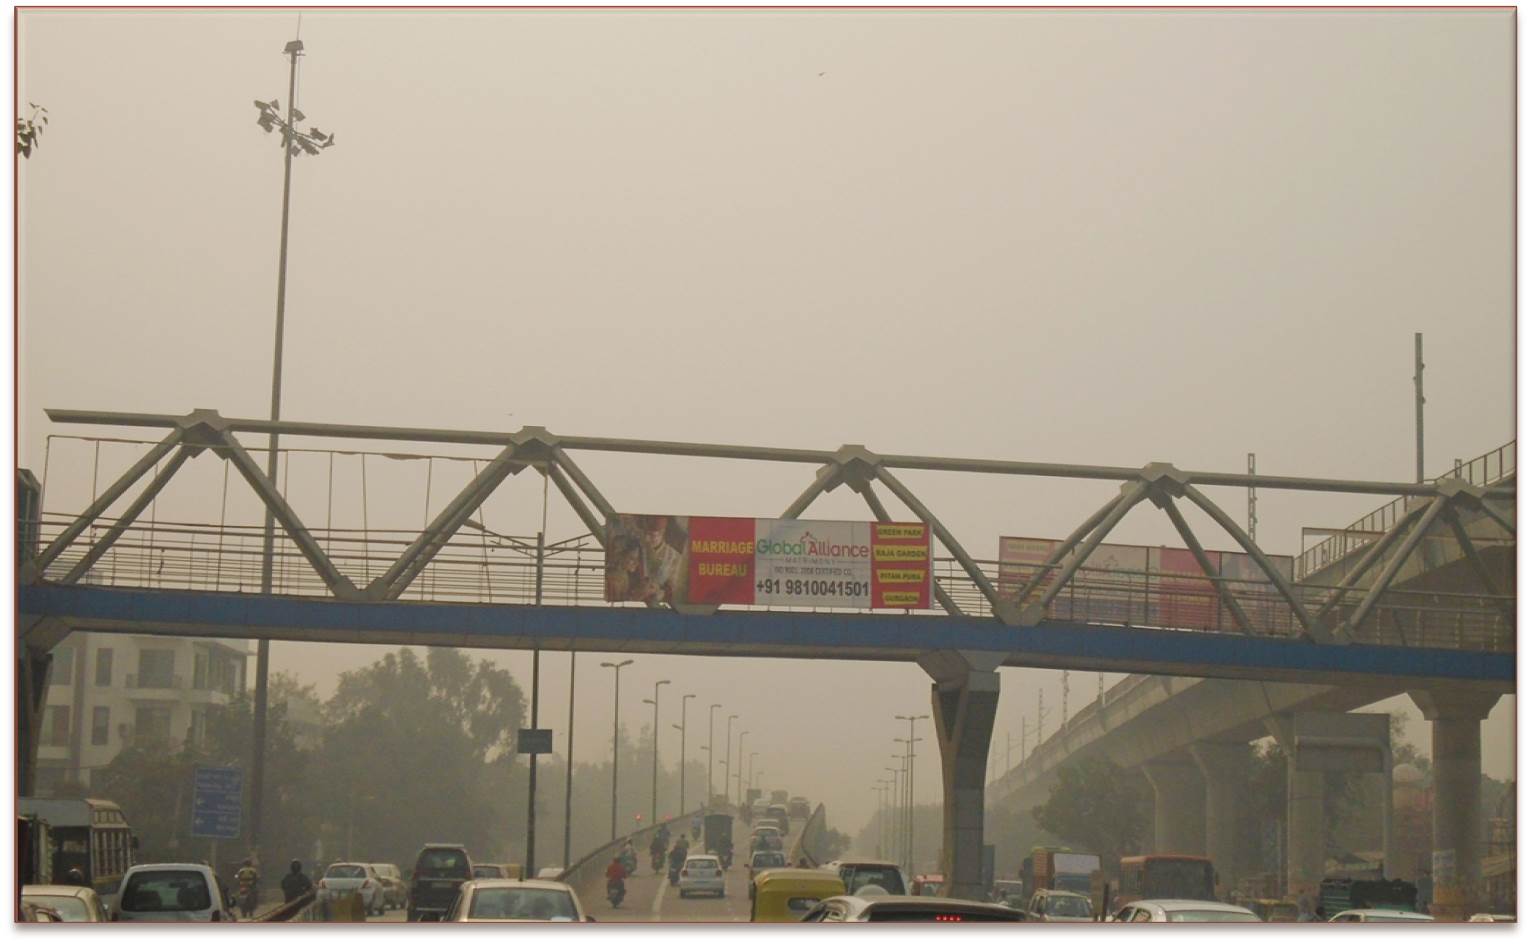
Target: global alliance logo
x=810 y=545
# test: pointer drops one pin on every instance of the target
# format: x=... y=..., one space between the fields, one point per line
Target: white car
x=513 y=899
x=905 y=908
x=1485 y=918
x=702 y=873
x=1379 y=914
x=170 y=891
x=1184 y=910
x=342 y=878
x=72 y=902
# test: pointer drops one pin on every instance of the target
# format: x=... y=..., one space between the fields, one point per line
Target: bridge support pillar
x=1179 y=808
x=1224 y=767
x=965 y=698
x=31 y=694
x=1456 y=719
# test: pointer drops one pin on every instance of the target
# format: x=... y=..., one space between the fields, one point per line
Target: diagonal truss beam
x=828 y=478
x=1492 y=513
x=1394 y=564
x=576 y=502
x=338 y=584
x=907 y=497
x=1469 y=549
x=392 y=583
x=1320 y=633
x=1223 y=591
x=1131 y=495
x=131 y=514
x=113 y=492
x=1066 y=545
x=880 y=511
x=1368 y=560
x=567 y=464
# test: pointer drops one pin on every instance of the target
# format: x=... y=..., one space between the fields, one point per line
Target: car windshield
x=1066 y=906
x=885 y=876
x=1194 y=915
x=440 y=863
x=765 y=860
x=68 y=907
x=486 y=871
x=346 y=871
x=166 y=890
x=704 y=865
x=526 y=904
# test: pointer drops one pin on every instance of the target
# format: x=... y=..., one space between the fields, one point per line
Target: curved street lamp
x=616 y=703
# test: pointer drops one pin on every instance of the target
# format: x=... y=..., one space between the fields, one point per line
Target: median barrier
x=588 y=875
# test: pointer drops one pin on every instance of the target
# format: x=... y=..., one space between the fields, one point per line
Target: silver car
x=513 y=899
x=343 y=878
x=72 y=902
x=1379 y=914
x=904 y=908
x=1184 y=910
x=171 y=891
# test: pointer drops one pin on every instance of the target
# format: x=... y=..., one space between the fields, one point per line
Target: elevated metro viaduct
x=1188 y=734
x=960 y=651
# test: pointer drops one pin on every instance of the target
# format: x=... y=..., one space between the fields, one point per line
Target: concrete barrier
x=588 y=875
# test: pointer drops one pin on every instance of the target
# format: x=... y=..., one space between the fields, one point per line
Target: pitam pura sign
x=768 y=562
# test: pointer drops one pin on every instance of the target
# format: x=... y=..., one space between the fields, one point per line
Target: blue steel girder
x=731 y=633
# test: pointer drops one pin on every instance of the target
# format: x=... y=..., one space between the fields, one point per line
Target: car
x=776 y=813
x=439 y=871
x=1051 y=904
x=702 y=873
x=39 y=914
x=798 y=808
x=170 y=891
x=755 y=810
x=1379 y=914
x=395 y=891
x=70 y=902
x=343 y=878
x=1483 y=917
x=1183 y=910
x=550 y=873
x=513 y=899
x=496 y=870
x=766 y=837
x=908 y=908
x=857 y=874
x=928 y=885
x=1008 y=892
x=760 y=861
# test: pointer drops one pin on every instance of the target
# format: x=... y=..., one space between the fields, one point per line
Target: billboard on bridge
x=768 y=562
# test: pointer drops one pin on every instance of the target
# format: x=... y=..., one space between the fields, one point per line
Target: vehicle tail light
x=948 y=917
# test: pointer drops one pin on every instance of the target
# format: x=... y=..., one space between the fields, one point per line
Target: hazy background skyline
x=1089 y=236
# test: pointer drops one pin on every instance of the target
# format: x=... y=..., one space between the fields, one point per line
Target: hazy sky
x=1093 y=236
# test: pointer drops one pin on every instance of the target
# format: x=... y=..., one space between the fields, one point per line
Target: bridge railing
x=588 y=875
x=1489 y=468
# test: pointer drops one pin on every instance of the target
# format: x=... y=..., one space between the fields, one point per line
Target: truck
x=778 y=796
x=1064 y=870
x=1343 y=893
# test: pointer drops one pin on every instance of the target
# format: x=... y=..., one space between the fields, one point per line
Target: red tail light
x=948 y=917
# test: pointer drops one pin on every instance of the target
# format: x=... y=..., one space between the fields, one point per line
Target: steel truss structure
x=1165 y=486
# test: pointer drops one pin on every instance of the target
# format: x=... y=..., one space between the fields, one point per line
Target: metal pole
x=268 y=547
x=728 y=758
x=568 y=779
x=536 y=691
x=711 y=751
x=1253 y=515
x=616 y=700
x=1418 y=402
x=738 y=774
x=683 y=700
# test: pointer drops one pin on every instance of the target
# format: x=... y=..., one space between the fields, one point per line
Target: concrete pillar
x=1456 y=762
x=965 y=699
x=1179 y=808
x=1306 y=831
x=32 y=666
x=1224 y=768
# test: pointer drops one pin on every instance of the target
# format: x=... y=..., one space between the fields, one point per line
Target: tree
x=1098 y=805
x=30 y=129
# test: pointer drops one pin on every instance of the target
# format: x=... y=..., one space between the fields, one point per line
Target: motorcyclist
x=696 y=827
x=616 y=875
x=628 y=857
x=656 y=850
x=248 y=879
x=295 y=884
x=677 y=858
x=75 y=877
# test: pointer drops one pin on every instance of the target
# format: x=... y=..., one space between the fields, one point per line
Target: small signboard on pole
x=534 y=741
x=216 y=802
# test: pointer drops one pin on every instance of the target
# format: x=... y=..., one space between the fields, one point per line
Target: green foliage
x=1097 y=806
x=30 y=129
x=833 y=845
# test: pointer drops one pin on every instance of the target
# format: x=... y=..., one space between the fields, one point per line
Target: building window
x=199 y=673
x=156 y=668
x=151 y=725
x=100 y=726
x=62 y=672
x=56 y=726
x=198 y=729
x=103 y=668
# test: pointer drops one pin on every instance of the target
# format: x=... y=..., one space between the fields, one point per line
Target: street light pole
x=292 y=141
x=728 y=758
x=738 y=775
x=616 y=701
x=654 y=810
x=749 y=778
x=711 y=753
x=908 y=782
x=683 y=700
x=895 y=808
x=568 y=779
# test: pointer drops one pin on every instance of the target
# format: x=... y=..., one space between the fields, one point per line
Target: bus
x=90 y=835
x=1165 y=876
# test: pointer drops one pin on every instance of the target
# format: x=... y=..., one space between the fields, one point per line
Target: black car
x=439 y=871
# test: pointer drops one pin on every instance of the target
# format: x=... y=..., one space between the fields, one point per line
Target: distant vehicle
x=717 y=836
x=394 y=889
x=497 y=870
x=343 y=878
x=859 y=873
x=90 y=835
x=1051 y=904
x=766 y=838
x=1174 y=877
x=908 y=908
x=1008 y=892
x=1273 y=910
x=1183 y=911
x=798 y=808
x=1484 y=917
x=760 y=861
x=778 y=796
x=1345 y=893
x=702 y=873
x=71 y=902
x=439 y=871
x=503 y=899
x=777 y=812
x=788 y=894
x=755 y=810
x=1379 y=914
x=1064 y=870
x=929 y=886
x=171 y=891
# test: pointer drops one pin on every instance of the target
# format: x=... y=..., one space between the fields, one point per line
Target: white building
x=107 y=691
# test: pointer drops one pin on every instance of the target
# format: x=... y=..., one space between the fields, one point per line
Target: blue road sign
x=216 y=802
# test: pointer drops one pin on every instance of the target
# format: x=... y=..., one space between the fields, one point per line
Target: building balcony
x=161 y=682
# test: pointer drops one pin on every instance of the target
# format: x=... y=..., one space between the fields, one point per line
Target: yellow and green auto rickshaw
x=788 y=894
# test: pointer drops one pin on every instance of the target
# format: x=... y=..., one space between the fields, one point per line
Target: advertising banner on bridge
x=1182 y=596
x=768 y=562
x=1110 y=587
x=1265 y=608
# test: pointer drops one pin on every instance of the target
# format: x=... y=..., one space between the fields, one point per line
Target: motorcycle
x=248 y=898
x=726 y=857
x=616 y=890
x=674 y=875
x=629 y=862
x=657 y=861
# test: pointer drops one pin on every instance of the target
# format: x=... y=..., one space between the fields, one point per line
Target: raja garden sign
x=768 y=562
